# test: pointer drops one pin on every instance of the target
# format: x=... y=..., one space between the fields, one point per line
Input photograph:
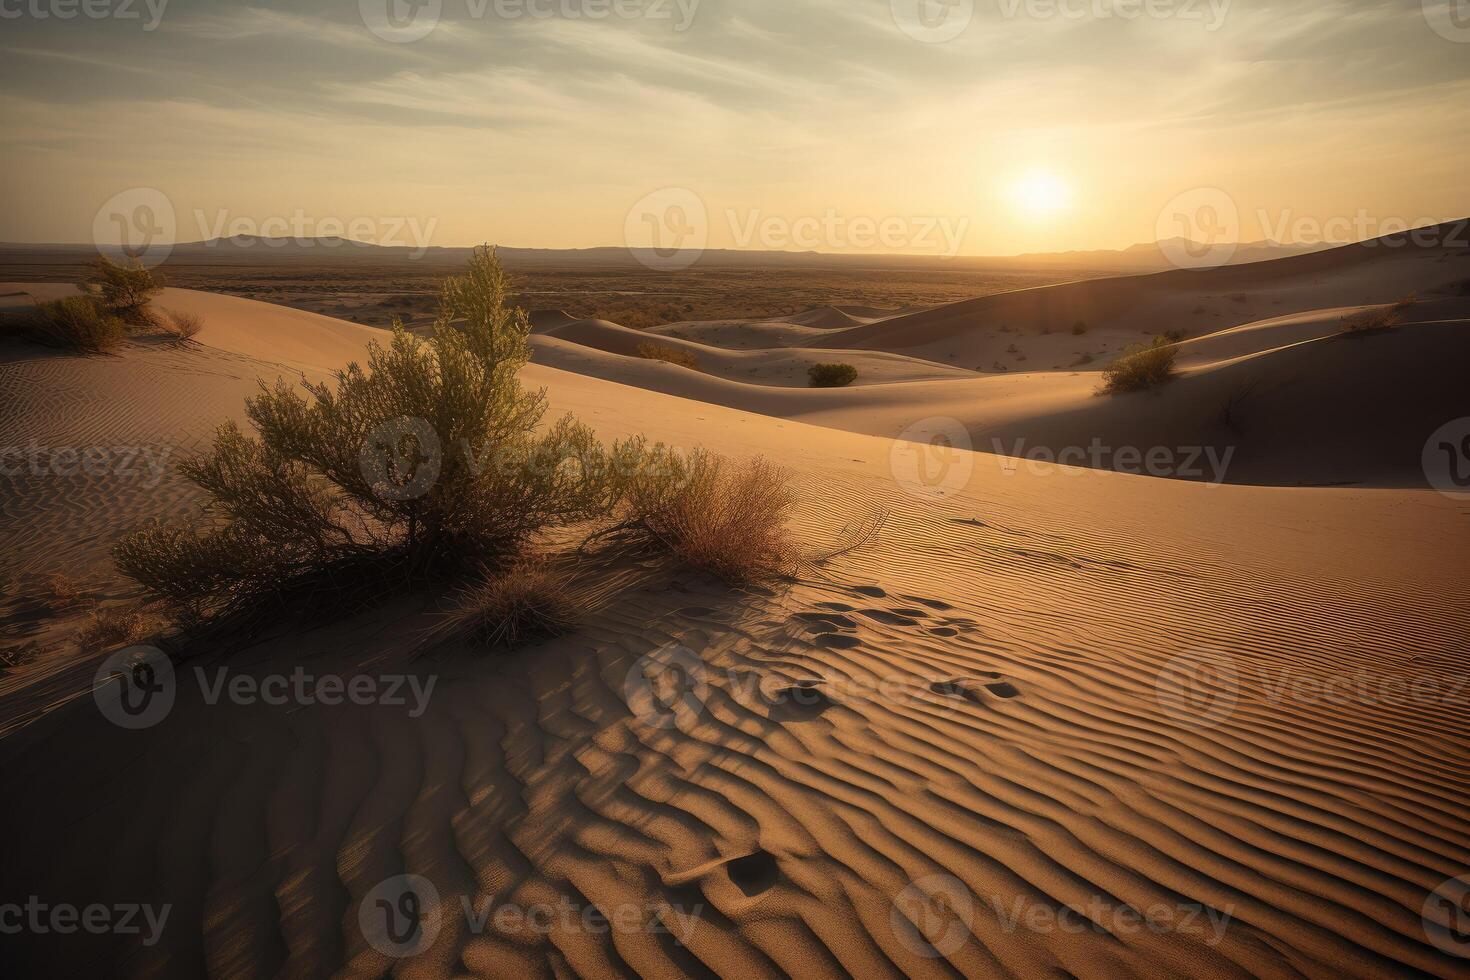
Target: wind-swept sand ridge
x=1267 y=385
x=1023 y=625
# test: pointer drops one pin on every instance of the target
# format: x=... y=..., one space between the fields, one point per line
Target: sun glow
x=1039 y=193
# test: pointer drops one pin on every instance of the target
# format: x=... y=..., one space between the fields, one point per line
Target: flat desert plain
x=1169 y=683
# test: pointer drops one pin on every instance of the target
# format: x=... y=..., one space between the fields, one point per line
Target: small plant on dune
x=531 y=600
x=76 y=323
x=182 y=326
x=114 y=628
x=427 y=462
x=1174 y=336
x=124 y=289
x=668 y=354
x=1140 y=367
x=1079 y=328
x=708 y=512
x=57 y=593
x=831 y=375
x=1369 y=322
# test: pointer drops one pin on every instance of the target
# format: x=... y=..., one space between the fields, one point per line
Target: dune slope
x=1035 y=709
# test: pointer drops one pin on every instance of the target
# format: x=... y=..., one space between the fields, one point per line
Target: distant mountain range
x=252 y=250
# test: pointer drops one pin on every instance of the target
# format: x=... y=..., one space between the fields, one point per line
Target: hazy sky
x=842 y=125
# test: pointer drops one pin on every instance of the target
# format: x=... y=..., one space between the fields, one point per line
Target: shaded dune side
x=784 y=367
x=1326 y=410
x=1042 y=773
x=1380 y=271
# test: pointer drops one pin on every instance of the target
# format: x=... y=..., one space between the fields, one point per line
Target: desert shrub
x=723 y=517
x=182 y=326
x=1084 y=359
x=1141 y=366
x=530 y=600
x=124 y=289
x=1370 y=322
x=116 y=627
x=57 y=593
x=1079 y=328
x=831 y=375
x=668 y=354
x=425 y=463
x=1174 y=336
x=76 y=323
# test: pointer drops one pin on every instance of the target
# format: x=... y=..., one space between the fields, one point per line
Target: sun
x=1039 y=193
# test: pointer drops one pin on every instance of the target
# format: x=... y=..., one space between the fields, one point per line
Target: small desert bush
x=182 y=326
x=531 y=600
x=1079 y=328
x=77 y=323
x=668 y=354
x=124 y=289
x=831 y=375
x=428 y=461
x=1141 y=366
x=1370 y=322
x=708 y=512
x=116 y=627
x=57 y=593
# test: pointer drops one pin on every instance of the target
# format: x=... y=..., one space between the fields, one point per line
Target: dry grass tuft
x=116 y=627
x=533 y=600
x=77 y=323
x=713 y=514
x=1141 y=367
x=831 y=375
x=181 y=326
x=669 y=355
x=57 y=593
x=1370 y=322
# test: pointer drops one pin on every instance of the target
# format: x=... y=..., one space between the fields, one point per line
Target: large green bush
x=427 y=460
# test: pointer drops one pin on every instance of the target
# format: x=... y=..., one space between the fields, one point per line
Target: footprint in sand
x=976 y=689
x=797 y=701
x=754 y=873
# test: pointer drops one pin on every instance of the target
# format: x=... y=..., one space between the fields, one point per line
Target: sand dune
x=1021 y=763
x=782 y=367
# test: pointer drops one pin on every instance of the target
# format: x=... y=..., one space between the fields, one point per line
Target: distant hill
x=253 y=250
